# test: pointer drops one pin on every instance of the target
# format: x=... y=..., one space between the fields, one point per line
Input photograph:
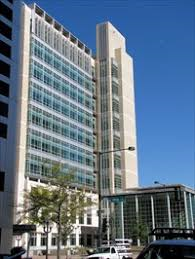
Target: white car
x=112 y=252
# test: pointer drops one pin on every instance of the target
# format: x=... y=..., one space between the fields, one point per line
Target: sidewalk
x=135 y=254
x=135 y=250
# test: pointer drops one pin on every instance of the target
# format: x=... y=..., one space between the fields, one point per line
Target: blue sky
x=160 y=37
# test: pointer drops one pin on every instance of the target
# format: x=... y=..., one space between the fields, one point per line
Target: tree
x=57 y=202
x=140 y=231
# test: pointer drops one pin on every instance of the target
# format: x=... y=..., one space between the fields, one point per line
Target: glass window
x=4 y=88
x=3 y=109
x=115 y=106
x=5 y=30
x=116 y=124
x=54 y=239
x=57 y=82
x=71 y=53
x=81 y=239
x=48 y=79
x=64 y=241
x=57 y=62
x=115 y=88
x=189 y=251
x=72 y=239
x=48 y=58
x=4 y=69
x=5 y=49
x=43 y=239
x=118 y=181
x=167 y=251
x=89 y=219
x=73 y=92
x=113 y=250
x=33 y=239
x=117 y=161
x=3 y=130
x=116 y=142
x=2 y=181
x=81 y=219
x=114 y=71
x=89 y=240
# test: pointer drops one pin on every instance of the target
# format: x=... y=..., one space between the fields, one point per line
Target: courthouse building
x=60 y=104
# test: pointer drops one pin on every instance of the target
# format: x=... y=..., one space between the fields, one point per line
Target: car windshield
x=101 y=250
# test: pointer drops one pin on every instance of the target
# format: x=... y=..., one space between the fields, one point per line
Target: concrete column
x=153 y=217
x=77 y=232
x=39 y=240
x=108 y=221
x=169 y=209
x=186 y=209
x=191 y=211
x=137 y=215
x=122 y=220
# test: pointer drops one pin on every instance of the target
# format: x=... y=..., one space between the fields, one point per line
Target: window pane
x=43 y=239
x=3 y=109
x=72 y=239
x=4 y=89
x=5 y=11
x=5 y=30
x=5 y=49
x=2 y=181
x=33 y=239
x=4 y=68
x=3 y=130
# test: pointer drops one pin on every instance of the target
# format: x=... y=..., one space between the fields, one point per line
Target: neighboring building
x=9 y=97
x=83 y=234
x=116 y=106
x=64 y=106
x=151 y=207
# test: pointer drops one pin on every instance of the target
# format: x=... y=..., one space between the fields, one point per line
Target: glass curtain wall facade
x=141 y=210
x=60 y=102
x=56 y=115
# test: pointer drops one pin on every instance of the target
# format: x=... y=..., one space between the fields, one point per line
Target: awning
x=21 y=229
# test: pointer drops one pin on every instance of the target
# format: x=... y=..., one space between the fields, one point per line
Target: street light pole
x=100 y=201
x=99 y=154
x=47 y=230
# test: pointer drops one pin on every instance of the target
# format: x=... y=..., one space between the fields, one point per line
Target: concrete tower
x=116 y=110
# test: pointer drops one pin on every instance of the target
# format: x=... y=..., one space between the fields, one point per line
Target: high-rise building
x=56 y=123
x=56 y=108
x=68 y=106
x=9 y=92
x=116 y=107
